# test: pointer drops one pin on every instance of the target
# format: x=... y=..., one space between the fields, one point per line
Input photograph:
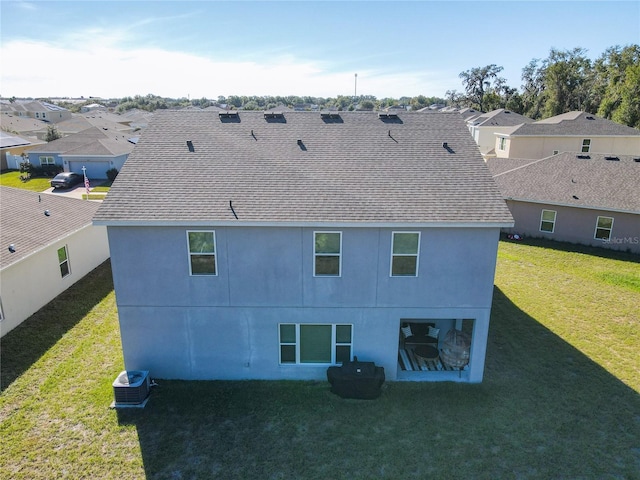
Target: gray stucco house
x=586 y=198
x=266 y=245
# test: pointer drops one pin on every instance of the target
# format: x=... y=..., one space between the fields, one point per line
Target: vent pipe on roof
x=232 y=210
x=190 y=146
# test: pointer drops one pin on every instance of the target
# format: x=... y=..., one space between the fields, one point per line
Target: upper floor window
x=63 y=261
x=548 y=221
x=202 y=253
x=312 y=343
x=604 y=225
x=327 y=254
x=586 y=145
x=47 y=161
x=502 y=143
x=404 y=254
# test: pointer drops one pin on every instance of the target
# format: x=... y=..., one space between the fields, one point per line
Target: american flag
x=86 y=181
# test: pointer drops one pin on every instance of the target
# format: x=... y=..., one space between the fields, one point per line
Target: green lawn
x=561 y=396
x=11 y=178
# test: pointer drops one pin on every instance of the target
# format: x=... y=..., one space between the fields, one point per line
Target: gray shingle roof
x=575 y=123
x=356 y=168
x=24 y=224
x=566 y=179
x=92 y=141
x=499 y=118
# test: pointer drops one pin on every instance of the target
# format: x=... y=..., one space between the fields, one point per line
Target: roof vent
x=637 y=159
x=614 y=159
x=387 y=115
x=331 y=117
x=583 y=157
x=228 y=115
x=274 y=115
x=190 y=146
x=589 y=117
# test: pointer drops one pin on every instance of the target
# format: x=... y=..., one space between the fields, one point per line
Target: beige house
x=570 y=132
x=48 y=243
x=485 y=126
x=44 y=111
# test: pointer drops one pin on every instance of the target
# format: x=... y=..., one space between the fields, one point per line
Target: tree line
x=564 y=81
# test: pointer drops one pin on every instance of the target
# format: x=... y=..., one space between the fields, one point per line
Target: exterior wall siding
x=31 y=283
x=577 y=225
x=226 y=326
x=542 y=147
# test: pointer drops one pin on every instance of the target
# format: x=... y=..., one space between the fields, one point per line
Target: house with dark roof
x=570 y=132
x=48 y=243
x=485 y=126
x=96 y=149
x=585 y=198
x=12 y=147
x=271 y=245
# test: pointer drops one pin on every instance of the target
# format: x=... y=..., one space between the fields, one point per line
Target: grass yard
x=561 y=396
x=11 y=178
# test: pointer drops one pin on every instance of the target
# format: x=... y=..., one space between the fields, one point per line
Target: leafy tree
x=52 y=134
x=616 y=84
x=532 y=100
x=567 y=82
x=479 y=81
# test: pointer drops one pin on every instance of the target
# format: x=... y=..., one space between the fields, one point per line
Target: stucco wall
x=226 y=326
x=31 y=283
x=542 y=147
x=577 y=225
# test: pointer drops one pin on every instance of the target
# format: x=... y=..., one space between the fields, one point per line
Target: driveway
x=74 y=192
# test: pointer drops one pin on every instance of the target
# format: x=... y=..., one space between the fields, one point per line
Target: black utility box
x=356 y=379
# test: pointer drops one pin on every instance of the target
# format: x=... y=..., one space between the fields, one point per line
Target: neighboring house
x=93 y=107
x=80 y=122
x=23 y=126
x=11 y=149
x=96 y=149
x=591 y=199
x=38 y=110
x=270 y=246
x=48 y=243
x=485 y=126
x=569 y=132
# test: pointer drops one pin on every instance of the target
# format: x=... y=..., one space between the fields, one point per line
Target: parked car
x=66 y=180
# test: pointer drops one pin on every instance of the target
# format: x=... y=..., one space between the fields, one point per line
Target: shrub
x=112 y=173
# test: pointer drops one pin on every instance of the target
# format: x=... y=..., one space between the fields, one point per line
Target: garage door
x=97 y=170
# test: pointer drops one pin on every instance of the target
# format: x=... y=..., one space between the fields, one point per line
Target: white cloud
x=96 y=66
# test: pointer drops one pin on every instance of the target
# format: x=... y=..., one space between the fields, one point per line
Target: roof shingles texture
x=24 y=224
x=566 y=179
x=359 y=169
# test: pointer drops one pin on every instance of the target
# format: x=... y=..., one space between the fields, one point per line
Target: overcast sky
x=210 y=48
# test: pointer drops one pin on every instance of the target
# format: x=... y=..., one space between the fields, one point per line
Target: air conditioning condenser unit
x=131 y=387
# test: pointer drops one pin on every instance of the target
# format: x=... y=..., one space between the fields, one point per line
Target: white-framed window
x=586 y=145
x=604 y=226
x=202 y=252
x=46 y=160
x=405 y=248
x=324 y=344
x=548 y=221
x=63 y=261
x=327 y=254
x=502 y=143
